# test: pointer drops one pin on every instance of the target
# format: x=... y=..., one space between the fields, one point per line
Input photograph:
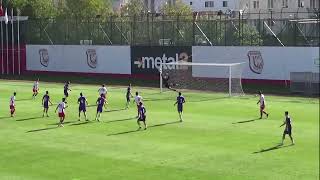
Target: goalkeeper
x=167 y=84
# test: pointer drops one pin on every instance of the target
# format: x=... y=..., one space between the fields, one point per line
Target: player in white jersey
x=61 y=111
x=262 y=102
x=137 y=100
x=12 y=104
x=35 y=89
x=102 y=91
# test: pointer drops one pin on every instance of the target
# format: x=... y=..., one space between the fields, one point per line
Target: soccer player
x=66 y=89
x=45 y=103
x=102 y=91
x=180 y=101
x=138 y=100
x=165 y=79
x=100 y=102
x=142 y=116
x=128 y=96
x=35 y=89
x=82 y=101
x=288 y=128
x=12 y=104
x=262 y=105
x=61 y=111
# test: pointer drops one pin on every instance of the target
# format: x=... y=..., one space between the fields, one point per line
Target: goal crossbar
x=202 y=64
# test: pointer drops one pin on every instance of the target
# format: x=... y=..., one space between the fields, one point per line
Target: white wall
x=278 y=62
x=76 y=58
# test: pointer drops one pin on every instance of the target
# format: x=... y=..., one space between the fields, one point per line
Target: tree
x=248 y=35
x=177 y=8
x=35 y=8
x=133 y=8
x=88 y=8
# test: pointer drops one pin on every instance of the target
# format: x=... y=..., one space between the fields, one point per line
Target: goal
x=224 y=78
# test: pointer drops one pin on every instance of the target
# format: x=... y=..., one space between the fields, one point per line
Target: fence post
x=111 y=27
x=239 y=30
x=193 y=28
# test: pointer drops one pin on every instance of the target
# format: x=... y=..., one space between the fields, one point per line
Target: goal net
x=224 y=78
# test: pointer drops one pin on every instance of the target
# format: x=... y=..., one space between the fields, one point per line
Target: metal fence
x=216 y=29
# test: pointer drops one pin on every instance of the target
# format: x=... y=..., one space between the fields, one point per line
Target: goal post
x=218 y=77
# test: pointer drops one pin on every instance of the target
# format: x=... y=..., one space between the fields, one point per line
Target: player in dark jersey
x=82 y=101
x=66 y=89
x=128 y=96
x=100 y=103
x=45 y=103
x=167 y=84
x=288 y=128
x=180 y=101
x=142 y=116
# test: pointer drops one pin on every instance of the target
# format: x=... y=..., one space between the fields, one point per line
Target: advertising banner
x=81 y=59
x=147 y=60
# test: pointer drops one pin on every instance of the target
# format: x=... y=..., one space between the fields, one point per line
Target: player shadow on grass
x=247 y=121
x=26 y=99
x=5 y=117
x=80 y=123
x=119 y=120
x=43 y=129
x=137 y=130
x=278 y=146
x=31 y=118
x=115 y=110
x=66 y=122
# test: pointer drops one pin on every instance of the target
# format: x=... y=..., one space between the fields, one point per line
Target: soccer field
x=220 y=138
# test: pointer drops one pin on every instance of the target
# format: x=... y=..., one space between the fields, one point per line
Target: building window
x=300 y=3
x=270 y=4
x=208 y=4
x=225 y=4
x=285 y=3
x=190 y=3
x=312 y=3
x=256 y=4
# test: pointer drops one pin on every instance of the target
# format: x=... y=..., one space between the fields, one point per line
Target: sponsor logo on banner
x=92 y=58
x=255 y=61
x=149 y=59
x=44 y=57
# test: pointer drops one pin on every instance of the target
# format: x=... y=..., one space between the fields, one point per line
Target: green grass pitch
x=220 y=138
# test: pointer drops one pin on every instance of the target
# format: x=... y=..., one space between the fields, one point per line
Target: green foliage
x=179 y=8
x=133 y=8
x=248 y=35
x=88 y=8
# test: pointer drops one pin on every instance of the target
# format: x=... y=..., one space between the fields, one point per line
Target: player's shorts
x=180 y=108
x=167 y=85
x=128 y=98
x=46 y=105
x=34 y=90
x=103 y=95
x=262 y=107
x=83 y=109
x=142 y=118
x=61 y=115
x=65 y=92
x=12 y=107
x=99 y=109
x=288 y=131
